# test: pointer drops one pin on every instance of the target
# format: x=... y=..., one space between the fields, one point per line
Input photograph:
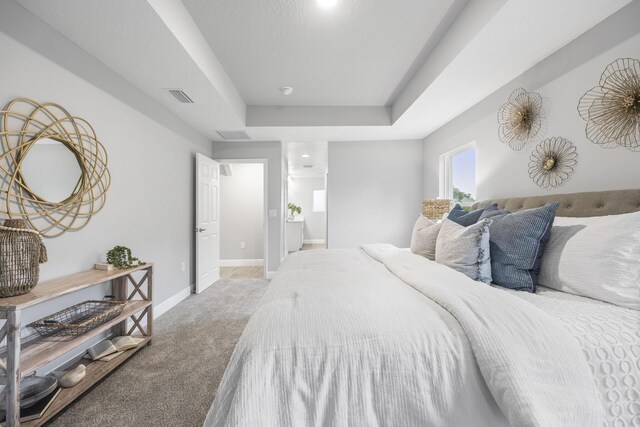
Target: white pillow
x=596 y=257
x=423 y=238
x=465 y=249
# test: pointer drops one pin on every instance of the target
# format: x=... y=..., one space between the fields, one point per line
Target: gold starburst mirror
x=53 y=169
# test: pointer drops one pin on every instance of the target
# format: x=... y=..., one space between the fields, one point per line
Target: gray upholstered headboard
x=598 y=203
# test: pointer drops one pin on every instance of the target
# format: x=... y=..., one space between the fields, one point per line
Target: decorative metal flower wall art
x=612 y=109
x=520 y=119
x=23 y=124
x=552 y=162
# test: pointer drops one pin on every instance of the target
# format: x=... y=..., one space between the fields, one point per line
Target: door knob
x=200 y=230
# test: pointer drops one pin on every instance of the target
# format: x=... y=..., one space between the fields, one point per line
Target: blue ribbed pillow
x=517 y=241
x=462 y=217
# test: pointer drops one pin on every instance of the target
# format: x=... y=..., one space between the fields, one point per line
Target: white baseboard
x=313 y=242
x=170 y=302
x=241 y=262
x=270 y=275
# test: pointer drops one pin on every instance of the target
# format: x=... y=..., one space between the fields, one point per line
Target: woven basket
x=435 y=208
x=21 y=252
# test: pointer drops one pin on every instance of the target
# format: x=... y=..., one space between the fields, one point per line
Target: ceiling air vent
x=181 y=96
x=233 y=134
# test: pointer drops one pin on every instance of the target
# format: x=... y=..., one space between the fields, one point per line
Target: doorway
x=306 y=196
x=243 y=225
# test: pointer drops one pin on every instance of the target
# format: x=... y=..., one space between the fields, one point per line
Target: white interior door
x=207 y=222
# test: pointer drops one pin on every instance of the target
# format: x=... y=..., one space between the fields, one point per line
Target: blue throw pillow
x=491 y=211
x=517 y=241
x=462 y=217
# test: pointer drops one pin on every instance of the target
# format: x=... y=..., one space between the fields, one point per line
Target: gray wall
x=375 y=192
x=301 y=194
x=242 y=212
x=272 y=152
x=150 y=203
x=561 y=80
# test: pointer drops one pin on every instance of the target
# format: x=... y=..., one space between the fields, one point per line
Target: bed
x=379 y=336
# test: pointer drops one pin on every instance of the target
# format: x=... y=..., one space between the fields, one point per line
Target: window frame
x=446 y=172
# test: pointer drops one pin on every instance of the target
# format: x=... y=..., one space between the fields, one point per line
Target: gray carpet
x=173 y=382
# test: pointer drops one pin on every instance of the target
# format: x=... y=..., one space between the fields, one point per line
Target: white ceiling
x=366 y=70
x=355 y=54
x=315 y=165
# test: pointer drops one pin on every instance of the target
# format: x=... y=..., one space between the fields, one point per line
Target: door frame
x=265 y=197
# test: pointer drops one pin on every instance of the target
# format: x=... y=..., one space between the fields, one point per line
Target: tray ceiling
x=354 y=54
x=365 y=70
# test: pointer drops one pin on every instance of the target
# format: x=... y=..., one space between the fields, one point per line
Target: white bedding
x=610 y=340
x=340 y=340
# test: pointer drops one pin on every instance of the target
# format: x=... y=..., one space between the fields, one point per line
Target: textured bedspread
x=340 y=340
x=610 y=341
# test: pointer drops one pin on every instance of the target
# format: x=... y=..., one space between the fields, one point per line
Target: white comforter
x=341 y=339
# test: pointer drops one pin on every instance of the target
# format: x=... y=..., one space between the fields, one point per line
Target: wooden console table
x=22 y=359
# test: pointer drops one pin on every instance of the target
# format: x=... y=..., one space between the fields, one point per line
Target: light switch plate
x=273 y=213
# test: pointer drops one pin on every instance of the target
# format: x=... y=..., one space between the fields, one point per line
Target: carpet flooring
x=254 y=272
x=173 y=382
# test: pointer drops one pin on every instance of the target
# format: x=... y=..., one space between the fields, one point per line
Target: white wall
x=242 y=212
x=272 y=152
x=561 y=80
x=375 y=192
x=300 y=193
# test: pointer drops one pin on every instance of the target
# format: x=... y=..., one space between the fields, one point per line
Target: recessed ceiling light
x=305 y=156
x=327 y=3
x=286 y=90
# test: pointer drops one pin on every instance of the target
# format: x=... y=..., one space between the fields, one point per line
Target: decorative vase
x=21 y=253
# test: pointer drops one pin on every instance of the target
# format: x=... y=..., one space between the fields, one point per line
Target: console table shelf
x=23 y=359
x=95 y=372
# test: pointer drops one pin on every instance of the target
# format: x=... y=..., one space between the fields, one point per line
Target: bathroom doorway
x=243 y=230
x=306 y=193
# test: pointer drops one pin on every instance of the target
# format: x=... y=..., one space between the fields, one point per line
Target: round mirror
x=51 y=170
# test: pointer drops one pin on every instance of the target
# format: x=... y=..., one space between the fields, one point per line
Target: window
x=318 y=201
x=458 y=175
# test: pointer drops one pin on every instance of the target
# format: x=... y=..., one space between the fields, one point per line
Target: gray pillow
x=465 y=249
x=423 y=238
x=517 y=243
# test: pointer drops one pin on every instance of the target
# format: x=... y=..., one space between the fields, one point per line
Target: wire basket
x=79 y=319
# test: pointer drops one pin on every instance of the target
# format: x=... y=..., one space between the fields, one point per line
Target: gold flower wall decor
x=552 y=162
x=612 y=109
x=520 y=119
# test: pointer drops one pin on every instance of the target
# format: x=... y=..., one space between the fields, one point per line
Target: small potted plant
x=293 y=209
x=120 y=257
